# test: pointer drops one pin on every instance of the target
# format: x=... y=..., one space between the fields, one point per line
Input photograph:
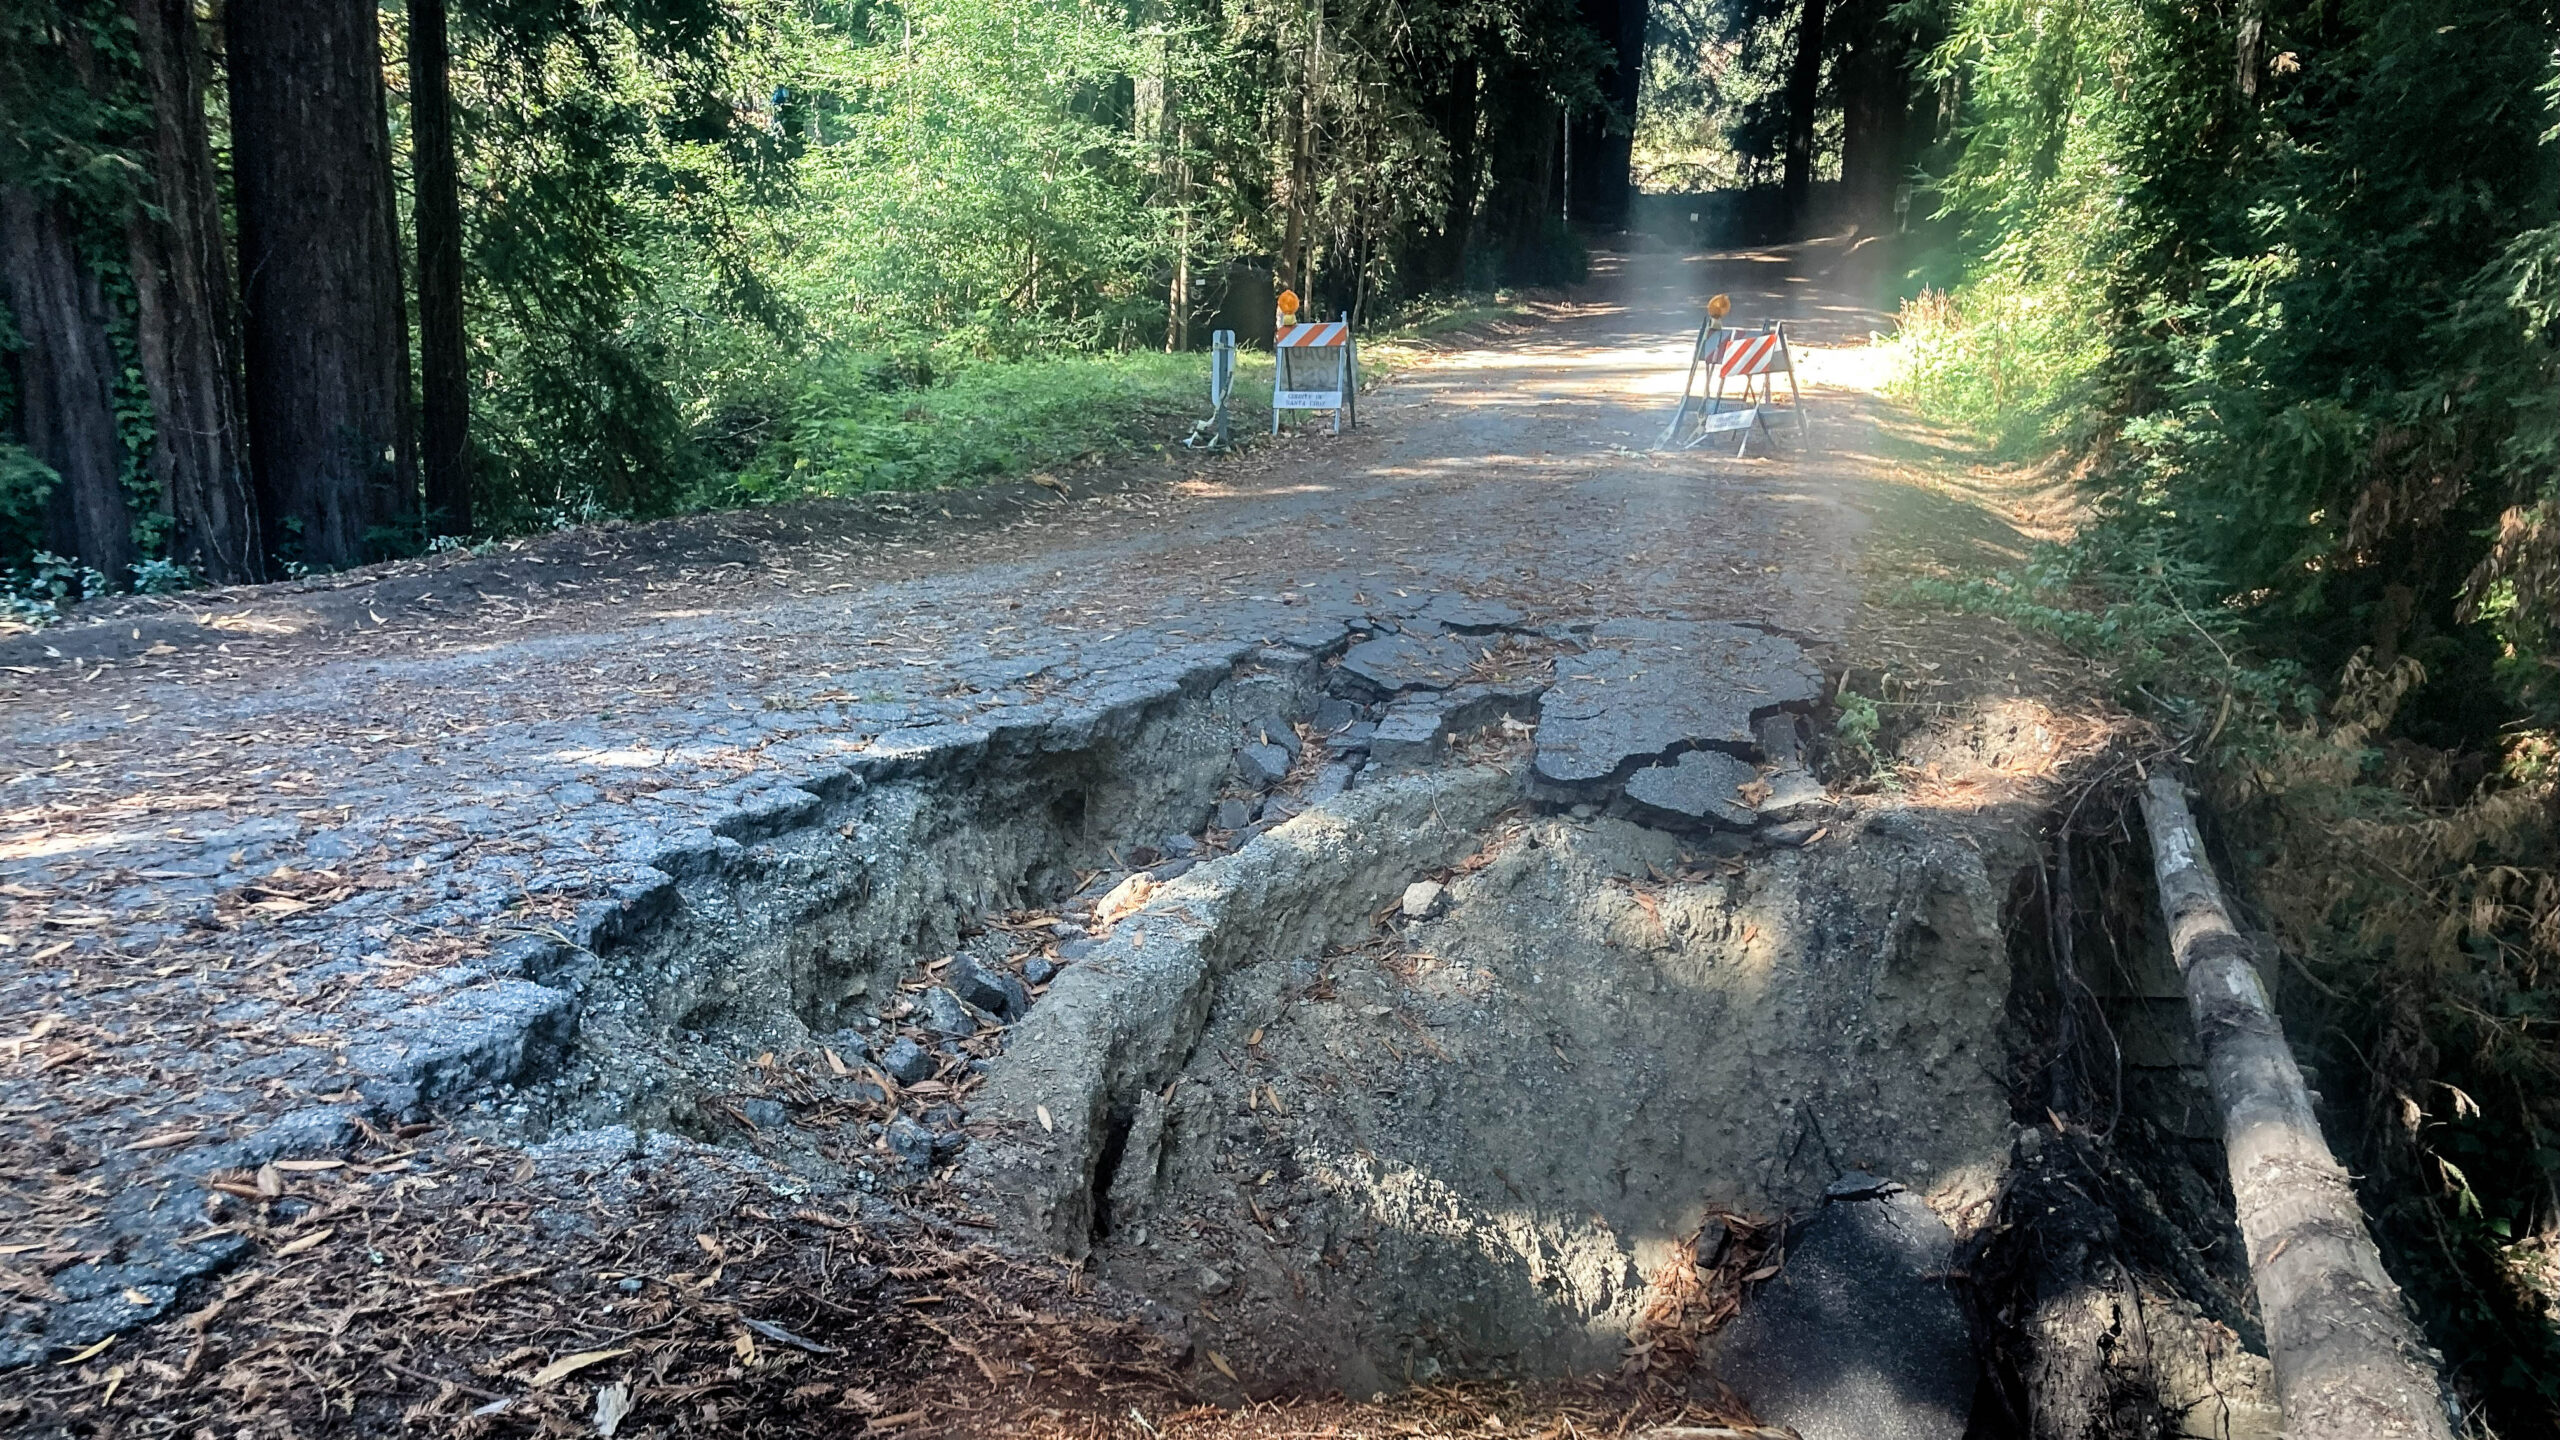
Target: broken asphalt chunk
x=906 y=1062
x=945 y=1015
x=1391 y=664
x=1646 y=688
x=910 y=1142
x=1262 y=766
x=1701 y=787
x=993 y=991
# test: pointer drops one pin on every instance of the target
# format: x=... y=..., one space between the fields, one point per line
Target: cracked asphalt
x=278 y=862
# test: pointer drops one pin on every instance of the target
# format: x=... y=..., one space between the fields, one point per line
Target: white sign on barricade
x=1316 y=367
x=1734 y=360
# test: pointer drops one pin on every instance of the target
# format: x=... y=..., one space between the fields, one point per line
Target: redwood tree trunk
x=185 y=326
x=1875 y=106
x=327 y=342
x=1603 y=143
x=444 y=383
x=68 y=370
x=1458 y=129
x=1804 y=89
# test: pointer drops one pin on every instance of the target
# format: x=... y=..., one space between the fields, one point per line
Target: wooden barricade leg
x=1351 y=373
x=1697 y=349
x=1786 y=348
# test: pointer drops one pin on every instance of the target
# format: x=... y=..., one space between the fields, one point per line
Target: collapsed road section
x=1431 y=991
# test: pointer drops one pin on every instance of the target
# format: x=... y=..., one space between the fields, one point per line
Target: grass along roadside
x=866 y=423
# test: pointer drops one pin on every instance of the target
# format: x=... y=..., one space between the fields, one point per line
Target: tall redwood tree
x=327 y=338
x=186 y=326
x=444 y=385
x=1804 y=93
x=67 y=376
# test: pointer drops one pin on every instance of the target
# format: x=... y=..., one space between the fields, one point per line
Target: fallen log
x=2349 y=1363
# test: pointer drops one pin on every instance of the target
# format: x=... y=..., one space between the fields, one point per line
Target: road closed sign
x=1315 y=367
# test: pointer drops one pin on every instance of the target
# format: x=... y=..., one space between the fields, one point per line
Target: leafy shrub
x=854 y=425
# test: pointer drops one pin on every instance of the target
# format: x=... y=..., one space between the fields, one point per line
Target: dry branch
x=2349 y=1363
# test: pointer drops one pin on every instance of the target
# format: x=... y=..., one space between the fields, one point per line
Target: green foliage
x=37 y=595
x=2285 y=297
x=2008 y=357
x=975 y=178
x=612 y=248
x=693 y=229
x=1855 y=732
x=2169 y=641
x=25 y=483
x=701 y=240
x=163 y=576
x=1713 y=115
x=860 y=423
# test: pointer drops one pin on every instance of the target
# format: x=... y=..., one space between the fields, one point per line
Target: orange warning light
x=1719 y=307
x=1288 y=307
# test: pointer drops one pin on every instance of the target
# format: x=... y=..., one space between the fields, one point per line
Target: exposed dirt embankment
x=1462 y=1142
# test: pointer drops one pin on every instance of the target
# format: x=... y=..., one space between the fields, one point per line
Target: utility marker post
x=1218 y=431
x=1222 y=383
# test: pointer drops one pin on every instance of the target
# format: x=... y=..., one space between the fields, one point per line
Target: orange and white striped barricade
x=1316 y=367
x=1737 y=363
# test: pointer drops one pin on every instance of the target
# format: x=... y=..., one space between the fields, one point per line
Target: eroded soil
x=324 y=1119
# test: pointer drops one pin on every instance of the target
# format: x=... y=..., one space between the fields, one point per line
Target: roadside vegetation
x=646 y=260
x=2279 y=286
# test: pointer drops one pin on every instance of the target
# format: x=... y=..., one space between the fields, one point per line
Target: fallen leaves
x=312 y=1241
x=1125 y=899
x=1698 y=1288
x=568 y=1365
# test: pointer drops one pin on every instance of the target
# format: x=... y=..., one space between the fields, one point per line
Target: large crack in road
x=1374 y=899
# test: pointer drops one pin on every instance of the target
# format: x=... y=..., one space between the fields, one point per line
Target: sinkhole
x=1461 y=998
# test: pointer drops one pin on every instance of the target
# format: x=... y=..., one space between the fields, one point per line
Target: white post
x=1222 y=383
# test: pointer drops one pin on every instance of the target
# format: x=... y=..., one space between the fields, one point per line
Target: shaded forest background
x=2274 y=283
x=306 y=283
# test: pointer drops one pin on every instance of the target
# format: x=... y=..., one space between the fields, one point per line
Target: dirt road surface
x=299 y=881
